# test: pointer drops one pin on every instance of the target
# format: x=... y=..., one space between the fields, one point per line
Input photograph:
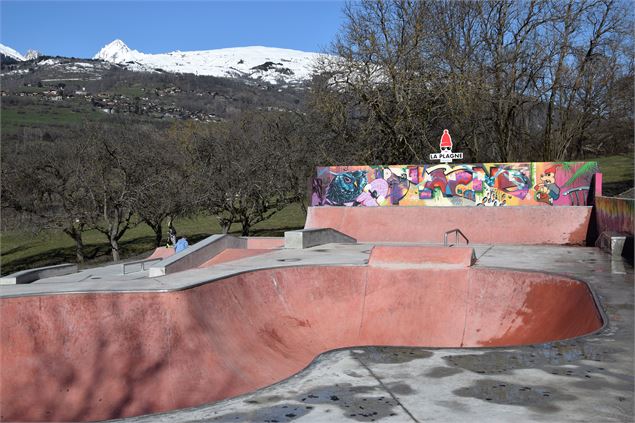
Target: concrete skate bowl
x=85 y=357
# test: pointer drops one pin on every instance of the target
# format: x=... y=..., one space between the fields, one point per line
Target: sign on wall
x=480 y=184
x=446 y=155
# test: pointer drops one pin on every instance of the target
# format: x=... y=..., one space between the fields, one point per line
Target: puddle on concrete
x=283 y=412
x=360 y=403
x=439 y=372
x=544 y=356
x=390 y=355
x=538 y=398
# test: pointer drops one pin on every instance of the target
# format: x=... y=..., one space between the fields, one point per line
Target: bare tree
x=167 y=192
x=513 y=80
x=116 y=177
x=247 y=172
x=587 y=38
x=383 y=78
x=46 y=184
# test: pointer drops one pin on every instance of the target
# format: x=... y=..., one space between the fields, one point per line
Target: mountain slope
x=273 y=65
x=11 y=53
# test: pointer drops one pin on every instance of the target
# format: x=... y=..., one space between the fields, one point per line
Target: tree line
x=112 y=176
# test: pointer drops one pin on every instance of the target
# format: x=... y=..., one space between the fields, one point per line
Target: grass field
x=617 y=173
x=15 y=118
x=23 y=250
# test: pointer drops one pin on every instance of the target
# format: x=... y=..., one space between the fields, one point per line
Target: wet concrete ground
x=588 y=379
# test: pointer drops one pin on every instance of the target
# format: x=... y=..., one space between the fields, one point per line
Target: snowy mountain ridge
x=270 y=64
x=9 y=52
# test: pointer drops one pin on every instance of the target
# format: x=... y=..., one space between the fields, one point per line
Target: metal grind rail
x=457 y=232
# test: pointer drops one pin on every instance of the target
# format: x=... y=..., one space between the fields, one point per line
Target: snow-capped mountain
x=273 y=65
x=32 y=55
x=9 y=52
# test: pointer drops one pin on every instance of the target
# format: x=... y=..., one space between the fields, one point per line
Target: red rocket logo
x=446 y=141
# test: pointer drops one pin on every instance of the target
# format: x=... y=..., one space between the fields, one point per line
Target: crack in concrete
x=392 y=395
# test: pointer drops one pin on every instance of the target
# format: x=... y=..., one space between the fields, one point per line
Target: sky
x=82 y=28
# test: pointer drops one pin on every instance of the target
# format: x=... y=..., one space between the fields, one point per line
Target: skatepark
x=426 y=306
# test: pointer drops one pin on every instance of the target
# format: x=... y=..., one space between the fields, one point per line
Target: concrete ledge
x=307 y=238
x=141 y=263
x=612 y=242
x=31 y=275
x=195 y=255
x=415 y=257
x=264 y=242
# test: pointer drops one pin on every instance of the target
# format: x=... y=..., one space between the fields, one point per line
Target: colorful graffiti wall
x=615 y=214
x=482 y=184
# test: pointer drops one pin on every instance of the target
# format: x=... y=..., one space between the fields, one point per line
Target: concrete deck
x=584 y=379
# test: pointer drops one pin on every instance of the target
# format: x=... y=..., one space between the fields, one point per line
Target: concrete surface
x=307 y=238
x=585 y=379
x=109 y=279
x=482 y=225
x=31 y=275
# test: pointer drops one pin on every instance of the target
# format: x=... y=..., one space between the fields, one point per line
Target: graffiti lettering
x=481 y=184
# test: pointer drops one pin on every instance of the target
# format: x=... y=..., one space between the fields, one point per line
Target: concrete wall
x=482 y=225
x=615 y=214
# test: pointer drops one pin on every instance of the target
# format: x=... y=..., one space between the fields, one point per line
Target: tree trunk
x=79 y=243
x=246 y=226
x=114 y=248
x=225 y=224
x=79 y=248
x=157 y=234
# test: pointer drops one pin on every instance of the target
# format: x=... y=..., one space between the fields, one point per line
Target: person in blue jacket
x=181 y=245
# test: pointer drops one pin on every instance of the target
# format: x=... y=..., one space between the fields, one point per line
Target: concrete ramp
x=196 y=255
x=307 y=238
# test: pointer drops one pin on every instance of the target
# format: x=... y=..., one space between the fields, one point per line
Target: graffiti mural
x=615 y=214
x=481 y=184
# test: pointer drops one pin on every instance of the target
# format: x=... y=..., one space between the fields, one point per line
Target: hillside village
x=54 y=92
x=112 y=103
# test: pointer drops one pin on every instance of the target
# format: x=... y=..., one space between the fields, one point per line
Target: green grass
x=616 y=168
x=617 y=173
x=45 y=115
x=23 y=250
x=131 y=91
